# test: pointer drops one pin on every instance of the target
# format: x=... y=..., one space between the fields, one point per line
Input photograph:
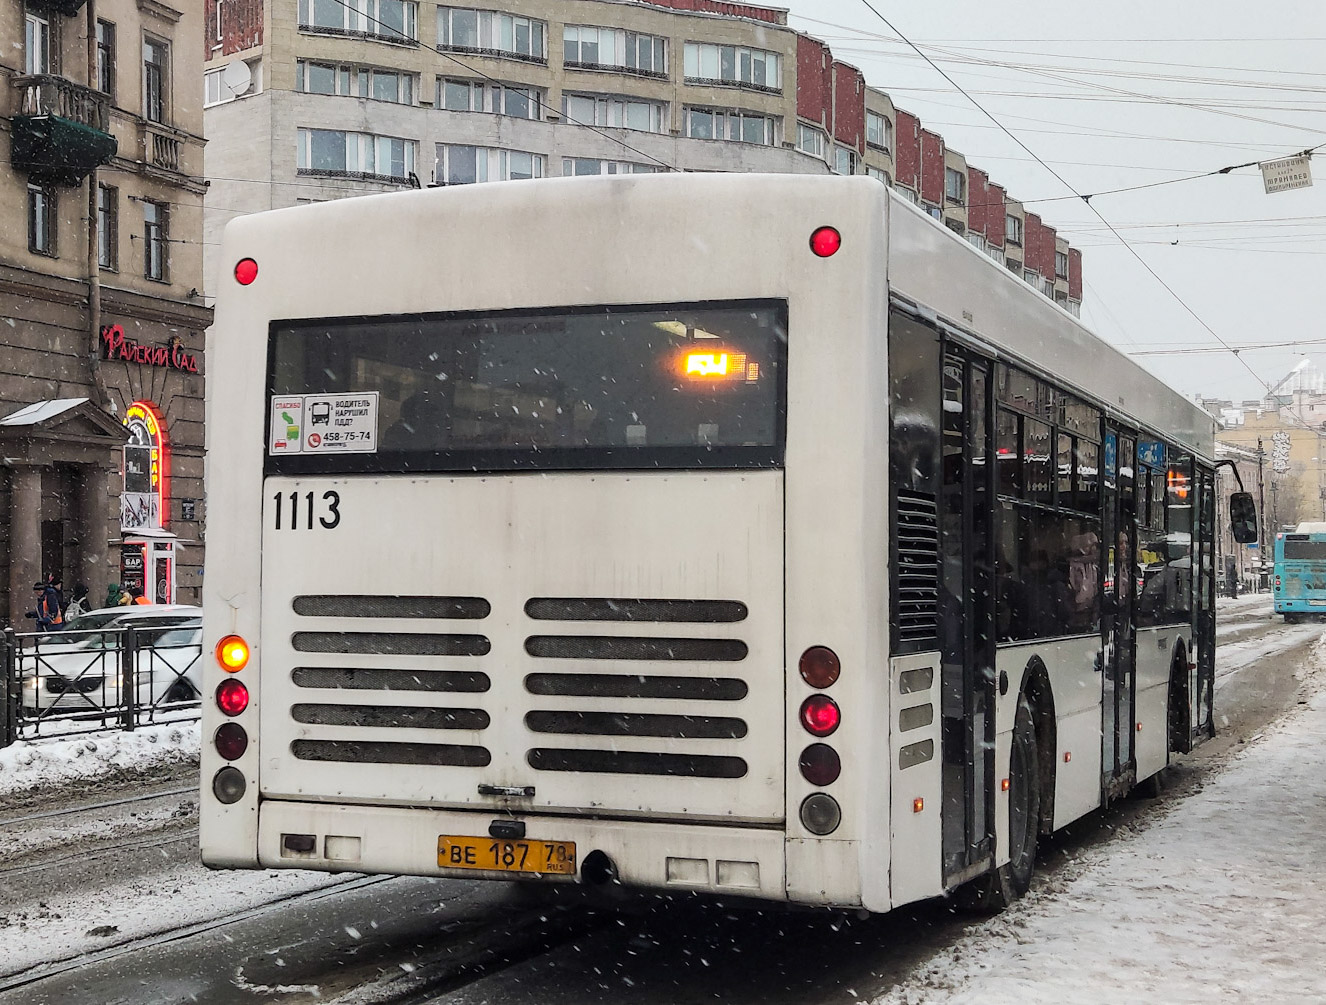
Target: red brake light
x=246 y=271
x=820 y=764
x=231 y=740
x=820 y=715
x=232 y=697
x=825 y=241
x=819 y=666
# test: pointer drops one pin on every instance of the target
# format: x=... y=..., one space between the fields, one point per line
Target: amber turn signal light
x=232 y=653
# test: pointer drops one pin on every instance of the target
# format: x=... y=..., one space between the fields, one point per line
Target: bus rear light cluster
x=820 y=716
x=231 y=740
x=232 y=653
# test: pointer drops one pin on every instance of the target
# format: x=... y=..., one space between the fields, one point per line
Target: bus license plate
x=556 y=858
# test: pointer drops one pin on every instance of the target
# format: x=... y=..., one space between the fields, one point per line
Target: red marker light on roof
x=246 y=271
x=825 y=241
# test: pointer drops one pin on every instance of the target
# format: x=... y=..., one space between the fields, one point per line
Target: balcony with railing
x=161 y=146
x=61 y=130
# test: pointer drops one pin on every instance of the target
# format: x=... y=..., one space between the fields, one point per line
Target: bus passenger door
x=967 y=626
x=1119 y=524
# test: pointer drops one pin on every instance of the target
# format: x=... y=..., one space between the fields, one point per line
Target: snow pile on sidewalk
x=1223 y=900
x=40 y=765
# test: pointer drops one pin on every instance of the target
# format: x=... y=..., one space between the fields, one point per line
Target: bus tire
x=1000 y=887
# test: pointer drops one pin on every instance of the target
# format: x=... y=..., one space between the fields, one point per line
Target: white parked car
x=83 y=674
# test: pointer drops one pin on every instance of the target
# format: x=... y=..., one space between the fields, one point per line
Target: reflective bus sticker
x=324 y=424
x=287 y=425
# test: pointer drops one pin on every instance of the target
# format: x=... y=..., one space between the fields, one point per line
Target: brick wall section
x=1031 y=242
x=241 y=27
x=814 y=81
x=932 y=167
x=849 y=106
x=995 y=214
x=1074 y=274
x=719 y=7
x=907 y=153
x=978 y=196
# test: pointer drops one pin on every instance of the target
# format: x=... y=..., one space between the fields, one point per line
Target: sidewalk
x=1221 y=900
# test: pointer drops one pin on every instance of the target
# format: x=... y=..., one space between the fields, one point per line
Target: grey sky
x=1255 y=281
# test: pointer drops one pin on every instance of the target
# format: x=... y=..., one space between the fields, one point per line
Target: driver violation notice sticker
x=324 y=424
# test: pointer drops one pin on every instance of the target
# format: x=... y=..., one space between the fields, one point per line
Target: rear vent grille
x=377 y=752
x=608 y=647
x=390 y=644
x=588 y=685
x=354 y=606
x=358 y=679
x=626 y=762
x=391 y=716
x=694 y=611
x=916 y=598
x=681 y=727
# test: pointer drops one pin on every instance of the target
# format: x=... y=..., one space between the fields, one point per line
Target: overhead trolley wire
x=1085 y=199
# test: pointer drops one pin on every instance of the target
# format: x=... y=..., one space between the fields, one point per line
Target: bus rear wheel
x=998 y=888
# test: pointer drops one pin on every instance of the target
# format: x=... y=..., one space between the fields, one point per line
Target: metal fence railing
x=61 y=683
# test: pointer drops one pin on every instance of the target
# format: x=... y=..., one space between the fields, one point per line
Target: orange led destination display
x=717 y=366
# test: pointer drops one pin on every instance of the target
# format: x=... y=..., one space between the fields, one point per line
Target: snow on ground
x=1223 y=899
x=57 y=762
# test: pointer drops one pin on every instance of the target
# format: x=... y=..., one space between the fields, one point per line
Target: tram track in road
x=152 y=840
x=7 y=821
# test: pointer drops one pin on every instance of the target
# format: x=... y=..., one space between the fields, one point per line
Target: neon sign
x=117 y=345
x=146 y=493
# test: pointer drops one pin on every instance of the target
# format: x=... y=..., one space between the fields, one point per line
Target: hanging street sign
x=1286 y=173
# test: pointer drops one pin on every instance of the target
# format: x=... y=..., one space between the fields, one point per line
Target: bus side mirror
x=1243 y=517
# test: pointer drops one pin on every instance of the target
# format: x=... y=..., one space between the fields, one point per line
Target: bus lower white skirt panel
x=1077 y=766
x=1152 y=738
x=401 y=841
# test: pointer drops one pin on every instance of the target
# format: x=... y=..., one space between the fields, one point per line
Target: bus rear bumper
x=736 y=860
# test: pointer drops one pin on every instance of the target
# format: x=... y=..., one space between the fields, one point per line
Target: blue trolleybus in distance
x=1300 y=571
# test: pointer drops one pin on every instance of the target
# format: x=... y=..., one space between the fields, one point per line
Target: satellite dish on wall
x=237 y=77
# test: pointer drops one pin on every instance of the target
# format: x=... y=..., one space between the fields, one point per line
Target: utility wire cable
x=1086 y=199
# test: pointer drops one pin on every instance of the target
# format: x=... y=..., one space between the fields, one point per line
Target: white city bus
x=750 y=535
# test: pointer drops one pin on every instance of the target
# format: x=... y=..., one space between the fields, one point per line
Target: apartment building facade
x=310 y=100
x=101 y=312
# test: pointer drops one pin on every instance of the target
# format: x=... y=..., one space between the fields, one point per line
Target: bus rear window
x=1305 y=551
x=688 y=386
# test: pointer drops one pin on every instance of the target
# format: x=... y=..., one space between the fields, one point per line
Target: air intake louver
x=916 y=552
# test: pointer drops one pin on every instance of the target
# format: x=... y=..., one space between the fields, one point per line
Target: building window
x=106 y=57
x=996 y=253
x=879 y=130
x=337 y=152
x=844 y=160
x=976 y=240
x=214 y=89
x=156 y=79
x=955 y=186
x=878 y=175
x=745 y=127
x=589 y=166
x=156 y=225
x=811 y=140
x=617 y=112
x=910 y=195
x=1030 y=276
x=1047 y=286
x=491 y=32
x=108 y=227
x=36 y=43
x=42 y=209
x=932 y=210
x=1013 y=228
x=587 y=47
x=501 y=99
x=220 y=5
x=363 y=82
x=1061 y=264
x=461 y=164
x=386 y=20
x=735 y=65
x=1014 y=266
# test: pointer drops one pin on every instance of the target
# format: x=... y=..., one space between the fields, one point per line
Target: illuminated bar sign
x=117 y=345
